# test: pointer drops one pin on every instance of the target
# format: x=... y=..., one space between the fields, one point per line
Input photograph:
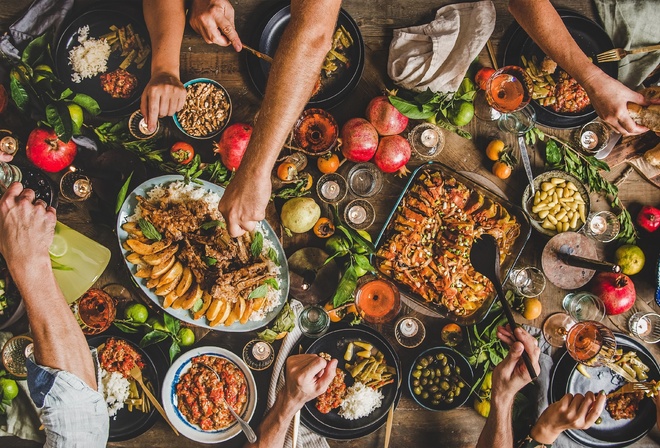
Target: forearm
x=166 y=21
x=294 y=72
x=498 y=431
x=58 y=341
x=273 y=428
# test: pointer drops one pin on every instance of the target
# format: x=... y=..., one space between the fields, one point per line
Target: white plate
x=128 y=209
x=169 y=398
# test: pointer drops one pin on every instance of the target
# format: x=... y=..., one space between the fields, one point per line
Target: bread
x=648 y=116
x=652 y=156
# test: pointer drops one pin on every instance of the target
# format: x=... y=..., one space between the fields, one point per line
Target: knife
x=567 y=257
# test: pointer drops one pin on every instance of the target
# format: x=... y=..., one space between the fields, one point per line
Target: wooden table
x=377 y=18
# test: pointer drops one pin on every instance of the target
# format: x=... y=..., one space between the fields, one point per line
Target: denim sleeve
x=74 y=415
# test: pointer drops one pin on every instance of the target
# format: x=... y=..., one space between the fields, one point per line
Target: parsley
x=149 y=230
x=257 y=244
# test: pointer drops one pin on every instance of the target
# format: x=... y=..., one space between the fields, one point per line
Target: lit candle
x=598 y=225
x=589 y=140
x=357 y=214
x=261 y=350
x=408 y=327
x=9 y=145
x=430 y=138
x=330 y=190
x=82 y=187
x=642 y=327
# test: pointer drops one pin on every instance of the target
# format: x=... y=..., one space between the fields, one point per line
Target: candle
x=598 y=225
x=330 y=190
x=145 y=129
x=357 y=214
x=408 y=327
x=430 y=138
x=261 y=350
x=9 y=145
x=589 y=140
x=82 y=187
x=642 y=327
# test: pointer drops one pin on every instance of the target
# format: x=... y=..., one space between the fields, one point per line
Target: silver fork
x=636 y=386
x=619 y=53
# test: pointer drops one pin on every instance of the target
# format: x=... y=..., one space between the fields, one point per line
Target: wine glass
x=508 y=90
x=591 y=343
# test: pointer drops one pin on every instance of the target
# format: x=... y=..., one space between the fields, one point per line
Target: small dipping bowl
x=219 y=128
x=316 y=132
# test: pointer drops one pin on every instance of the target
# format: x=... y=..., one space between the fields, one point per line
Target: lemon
x=41 y=68
x=58 y=247
x=631 y=259
x=76 y=113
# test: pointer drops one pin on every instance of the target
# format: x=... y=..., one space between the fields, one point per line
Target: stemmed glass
x=580 y=307
x=591 y=343
x=508 y=90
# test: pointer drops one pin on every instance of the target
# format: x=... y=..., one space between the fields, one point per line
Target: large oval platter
x=128 y=209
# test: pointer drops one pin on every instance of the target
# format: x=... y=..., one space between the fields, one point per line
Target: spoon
x=245 y=426
x=485 y=258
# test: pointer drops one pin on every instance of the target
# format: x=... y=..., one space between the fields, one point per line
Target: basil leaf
x=347 y=284
x=257 y=244
x=198 y=305
x=552 y=152
x=121 y=196
x=272 y=254
x=272 y=282
x=174 y=351
x=211 y=224
x=153 y=337
x=171 y=323
x=18 y=94
x=87 y=102
x=149 y=230
x=259 y=292
x=210 y=261
x=410 y=110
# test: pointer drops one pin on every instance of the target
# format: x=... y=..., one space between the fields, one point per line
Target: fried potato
x=134 y=258
x=214 y=309
x=158 y=257
x=174 y=274
x=162 y=268
x=247 y=312
x=223 y=315
x=152 y=282
x=163 y=290
x=125 y=246
x=258 y=303
x=193 y=297
x=178 y=303
x=235 y=313
x=144 y=272
x=147 y=249
x=169 y=299
x=206 y=303
x=186 y=281
x=133 y=229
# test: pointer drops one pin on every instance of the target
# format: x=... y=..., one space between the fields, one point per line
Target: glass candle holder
x=365 y=180
x=409 y=332
x=331 y=188
x=528 y=281
x=258 y=354
x=359 y=214
x=75 y=186
x=314 y=321
x=137 y=126
x=8 y=142
x=593 y=136
x=645 y=326
x=602 y=226
x=427 y=140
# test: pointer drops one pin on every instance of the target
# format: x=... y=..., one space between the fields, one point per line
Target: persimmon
x=328 y=163
x=287 y=171
x=495 y=149
x=324 y=228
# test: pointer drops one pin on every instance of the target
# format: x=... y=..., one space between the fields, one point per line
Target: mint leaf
x=257 y=244
x=149 y=230
x=259 y=292
x=211 y=224
x=272 y=254
x=272 y=282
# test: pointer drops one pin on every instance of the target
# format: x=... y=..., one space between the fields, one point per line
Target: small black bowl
x=467 y=376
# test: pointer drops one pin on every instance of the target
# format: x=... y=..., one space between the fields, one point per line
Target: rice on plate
x=90 y=57
x=115 y=389
x=360 y=401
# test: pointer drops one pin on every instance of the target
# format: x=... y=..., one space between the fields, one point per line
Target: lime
x=157 y=324
x=631 y=259
x=336 y=243
x=41 y=68
x=186 y=336
x=9 y=389
x=462 y=113
x=76 y=113
x=136 y=312
x=58 y=247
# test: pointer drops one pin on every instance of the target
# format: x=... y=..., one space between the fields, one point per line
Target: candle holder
x=8 y=142
x=75 y=186
x=602 y=226
x=427 y=140
x=645 y=326
x=137 y=126
x=359 y=214
x=593 y=136
x=258 y=354
x=365 y=180
x=331 y=188
x=409 y=332
x=528 y=281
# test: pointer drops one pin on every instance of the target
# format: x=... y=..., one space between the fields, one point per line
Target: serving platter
x=128 y=209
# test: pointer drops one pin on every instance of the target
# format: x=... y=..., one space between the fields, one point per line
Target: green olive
x=438 y=397
x=429 y=358
x=416 y=383
x=433 y=389
x=437 y=380
x=461 y=384
x=450 y=394
x=599 y=420
x=417 y=373
x=417 y=390
x=432 y=375
x=426 y=373
x=424 y=363
x=435 y=402
x=457 y=369
x=438 y=372
x=449 y=400
x=443 y=362
x=424 y=381
x=440 y=356
x=444 y=385
x=425 y=395
x=446 y=371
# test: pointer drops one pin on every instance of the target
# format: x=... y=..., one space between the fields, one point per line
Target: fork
x=635 y=387
x=619 y=53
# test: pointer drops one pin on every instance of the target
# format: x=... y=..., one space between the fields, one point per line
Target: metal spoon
x=245 y=426
x=485 y=258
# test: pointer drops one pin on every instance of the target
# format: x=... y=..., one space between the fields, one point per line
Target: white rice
x=115 y=389
x=360 y=401
x=90 y=57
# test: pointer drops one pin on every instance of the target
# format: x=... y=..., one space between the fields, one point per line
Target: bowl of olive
x=440 y=379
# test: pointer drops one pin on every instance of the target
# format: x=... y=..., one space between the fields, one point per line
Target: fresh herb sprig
x=486 y=350
x=154 y=336
x=561 y=155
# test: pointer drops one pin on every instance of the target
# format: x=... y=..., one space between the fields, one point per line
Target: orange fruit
x=494 y=149
x=328 y=163
x=533 y=308
x=501 y=170
x=287 y=171
x=309 y=181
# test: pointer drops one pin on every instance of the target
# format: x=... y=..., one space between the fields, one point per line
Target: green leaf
x=54 y=119
x=171 y=323
x=363 y=262
x=426 y=96
x=149 y=230
x=267 y=335
x=272 y=254
x=65 y=93
x=174 y=351
x=257 y=244
x=272 y=282
x=198 y=305
x=18 y=94
x=126 y=326
x=259 y=292
x=35 y=49
x=123 y=191
x=210 y=261
x=409 y=109
x=344 y=292
x=153 y=337
x=211 y=224
x=552 y=152
x=87 y=102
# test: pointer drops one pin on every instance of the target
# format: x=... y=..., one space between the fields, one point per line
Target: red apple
x=615 y=290
x=385 y=117
x=48 y=152
x=232 y=145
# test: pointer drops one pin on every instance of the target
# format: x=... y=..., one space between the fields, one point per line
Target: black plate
x=331 y=425
x=610 y=433
x=267 y=38
x=128 y=425
x=591 y=38
x=99 y=22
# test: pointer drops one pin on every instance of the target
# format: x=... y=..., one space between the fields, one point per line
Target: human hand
x=214 y=21
x=571 y=412
x=511 y=375
x=610 y=99
x=163 y=96
x=244 y=202
x=26 y=229
x=307 y=377
x=4 y=157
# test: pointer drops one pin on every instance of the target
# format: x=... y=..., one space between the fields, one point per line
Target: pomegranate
x=232 y=145
x=359 y=140
x=386 y=118
x=392 y=155
x=48 y=152
x=615 y=290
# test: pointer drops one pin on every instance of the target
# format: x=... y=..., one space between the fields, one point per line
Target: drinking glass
x=409 y=332
x=602 y=226
x=258 y=354
x=95 y=311
x=427 y=140
x=508 y=90
x=518 y=122
x=331 y=188
x=556 y=327
x=359 y=214
x=645 y=326
x=583 y=306
x=365 y=180
x=75 y=186
x=314 y=321
x=528 y=281
x=377 y=300
x=591 y=343
x=593 y=136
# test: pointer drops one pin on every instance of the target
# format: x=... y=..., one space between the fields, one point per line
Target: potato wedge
x=235 y=314
x=125 y=246
x=133 y=229
x=162 y=268
x=158 y=257
x=169 y=299
x=186 y=281
x=134 y=258
x=225 y=309
x=247 y=312
x=163 y=290
x=144 y=272
x=258 y=303
x=178 y=303
x=206 y=303
x=214 y=309
x=193 y=297
x=174 y=274
x=147 y=249
x=152 y=282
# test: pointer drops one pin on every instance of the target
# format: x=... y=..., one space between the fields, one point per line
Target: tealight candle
x=408 y=327
x=330 y=190
x=598 y=225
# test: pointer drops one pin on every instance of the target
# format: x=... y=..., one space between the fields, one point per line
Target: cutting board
x=630 y=150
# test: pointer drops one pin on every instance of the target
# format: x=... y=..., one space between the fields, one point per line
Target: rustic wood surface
x=412 y=426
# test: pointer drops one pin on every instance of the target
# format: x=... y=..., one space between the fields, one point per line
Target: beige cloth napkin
x=306 y=438
x=436 y=55
x=22 y=417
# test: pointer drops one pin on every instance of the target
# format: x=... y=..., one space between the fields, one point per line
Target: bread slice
x=648 y=116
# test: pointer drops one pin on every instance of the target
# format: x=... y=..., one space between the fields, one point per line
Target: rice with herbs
x=360 y=401
x=90 y=57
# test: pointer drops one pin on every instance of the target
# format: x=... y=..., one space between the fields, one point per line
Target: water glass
x=331 y=188
x=365 y=180
x=602 y=226
x=528 y=282
x=594 y=136
x=359 y=214
x=518 y=122
x=314 y=321
x=645 y=326
x=584 y=306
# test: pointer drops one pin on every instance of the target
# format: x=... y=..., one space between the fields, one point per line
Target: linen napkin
x=632 y=24
x=306 y=438
x=22 y=417
x=436 y=55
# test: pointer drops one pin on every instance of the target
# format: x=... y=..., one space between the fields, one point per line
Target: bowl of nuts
x=206 y=111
